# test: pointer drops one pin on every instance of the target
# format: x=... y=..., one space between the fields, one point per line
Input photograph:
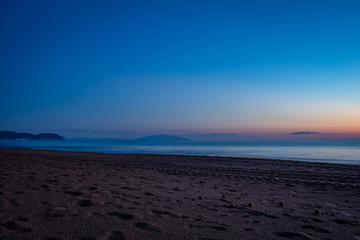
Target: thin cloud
x=304 y=133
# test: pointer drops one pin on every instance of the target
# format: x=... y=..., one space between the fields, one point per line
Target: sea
x=329 y=151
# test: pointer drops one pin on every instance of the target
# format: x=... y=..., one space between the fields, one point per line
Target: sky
x=132 y=68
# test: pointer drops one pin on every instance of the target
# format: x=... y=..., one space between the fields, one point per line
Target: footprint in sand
x=160 y=212
x=146 y=226
x=315 y=229
x=85 y=203
x=149 y=194
x=346 y=222
x=73 y=193
x=22 y=219
x=293 y=235
x=219 y=228
x=87 y=238
x=13 y=226
x=209 y=239
x=117 y=235
x=123 y=216
x=249 y=229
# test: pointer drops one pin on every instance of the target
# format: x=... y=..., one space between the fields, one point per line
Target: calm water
x=332 y=151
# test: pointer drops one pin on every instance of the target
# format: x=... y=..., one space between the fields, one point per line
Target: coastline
x=49 y=194
x=343 y=152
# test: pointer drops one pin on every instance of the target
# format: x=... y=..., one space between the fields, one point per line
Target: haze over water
x=330 y=151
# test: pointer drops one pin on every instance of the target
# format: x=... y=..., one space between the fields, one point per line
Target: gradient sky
x=86 y=68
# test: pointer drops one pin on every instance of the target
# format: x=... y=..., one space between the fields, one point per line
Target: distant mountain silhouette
x=162 y=139
x=29 y=136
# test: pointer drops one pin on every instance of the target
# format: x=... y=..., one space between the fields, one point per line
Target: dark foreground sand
x=74 y=195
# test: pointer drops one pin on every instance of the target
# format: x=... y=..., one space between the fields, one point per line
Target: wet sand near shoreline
x=79 y=195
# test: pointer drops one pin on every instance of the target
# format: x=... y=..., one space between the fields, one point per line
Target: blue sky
x=87 y=67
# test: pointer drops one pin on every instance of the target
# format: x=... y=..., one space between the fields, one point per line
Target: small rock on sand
x=317 y=212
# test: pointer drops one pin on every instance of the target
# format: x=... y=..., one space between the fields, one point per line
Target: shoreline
x=301 y=160
x=50 y=194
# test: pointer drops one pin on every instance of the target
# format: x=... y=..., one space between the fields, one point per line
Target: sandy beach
x=84 y=196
